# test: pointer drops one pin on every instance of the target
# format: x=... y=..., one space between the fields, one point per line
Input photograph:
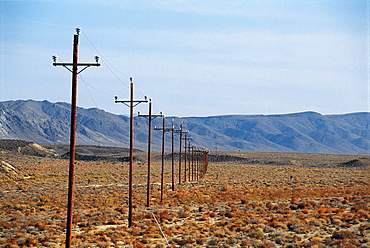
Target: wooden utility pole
x=162 y=168
x=172 y=157
x=131 y=105
x=187 y=155
x=72 y=149
x=192 y=161
x=164 y=130
x=150 y=118
x=180 y=131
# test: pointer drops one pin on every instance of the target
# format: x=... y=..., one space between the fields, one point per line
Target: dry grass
x=304 y=203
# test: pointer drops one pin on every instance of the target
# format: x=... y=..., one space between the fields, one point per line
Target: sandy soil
x=262 y=200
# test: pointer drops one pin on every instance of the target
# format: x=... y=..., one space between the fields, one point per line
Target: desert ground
x=246 y=199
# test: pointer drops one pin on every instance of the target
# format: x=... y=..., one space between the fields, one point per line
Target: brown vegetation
x=306 y=203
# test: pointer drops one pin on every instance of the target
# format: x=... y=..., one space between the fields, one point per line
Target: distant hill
x=27 y=148
x=46 y=122
x=299 y=132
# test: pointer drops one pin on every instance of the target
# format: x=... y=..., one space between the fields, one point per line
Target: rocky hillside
x=299 y=132
x=46 y=122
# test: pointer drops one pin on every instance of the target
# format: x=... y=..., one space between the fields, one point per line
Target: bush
x=182 y=214
x=257 y=234
x=41 y=225
x=344 y=234
x=30 y=241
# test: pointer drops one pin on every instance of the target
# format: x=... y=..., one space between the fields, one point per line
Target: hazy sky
x=193 y=58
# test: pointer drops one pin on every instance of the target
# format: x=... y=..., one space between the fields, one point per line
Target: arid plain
x=246 y=199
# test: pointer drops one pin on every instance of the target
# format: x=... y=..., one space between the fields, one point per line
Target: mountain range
x=46 y=122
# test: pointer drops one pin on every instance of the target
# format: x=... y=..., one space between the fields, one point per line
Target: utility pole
x=72 y=151
x=196 y=164
x=180 y=131
x=216 y=152
x=172 y=157
x=131 y=105
x=150 y=118
x=202 y=153
x=192 y=162
x=164 y=130
x=201 y=164
x=187 y=155
x=206 y=152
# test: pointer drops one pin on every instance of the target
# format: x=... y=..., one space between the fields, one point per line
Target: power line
x=104 y=93
x=106 y=62
x=53 y=24
x=111 y=67
x=92 y=98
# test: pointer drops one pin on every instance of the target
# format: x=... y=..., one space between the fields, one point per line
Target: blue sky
x=193 y=58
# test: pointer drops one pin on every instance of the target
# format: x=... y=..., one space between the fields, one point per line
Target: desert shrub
x=5 y=225
x=182 y=215
x=213 y=242
x=344 y=234
x=136 y=231
x=31 y=241
x=307 y=204
x=57 y=217
x=113 y=221
x=164 y=215
x=293 y=246
x=106 y=244
x=294 y=200
x=305 y=211
x=183 y=241
x=342 y=242
x=231 y=241
x=187 y=208
x=324 y=210
x=200 y=241
x=315 y=239
x=270 y=206
x=11 y=246
x=41 y=225
x=204 y=217
x=257 y=234
x=212 y=214
x=121 y=210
